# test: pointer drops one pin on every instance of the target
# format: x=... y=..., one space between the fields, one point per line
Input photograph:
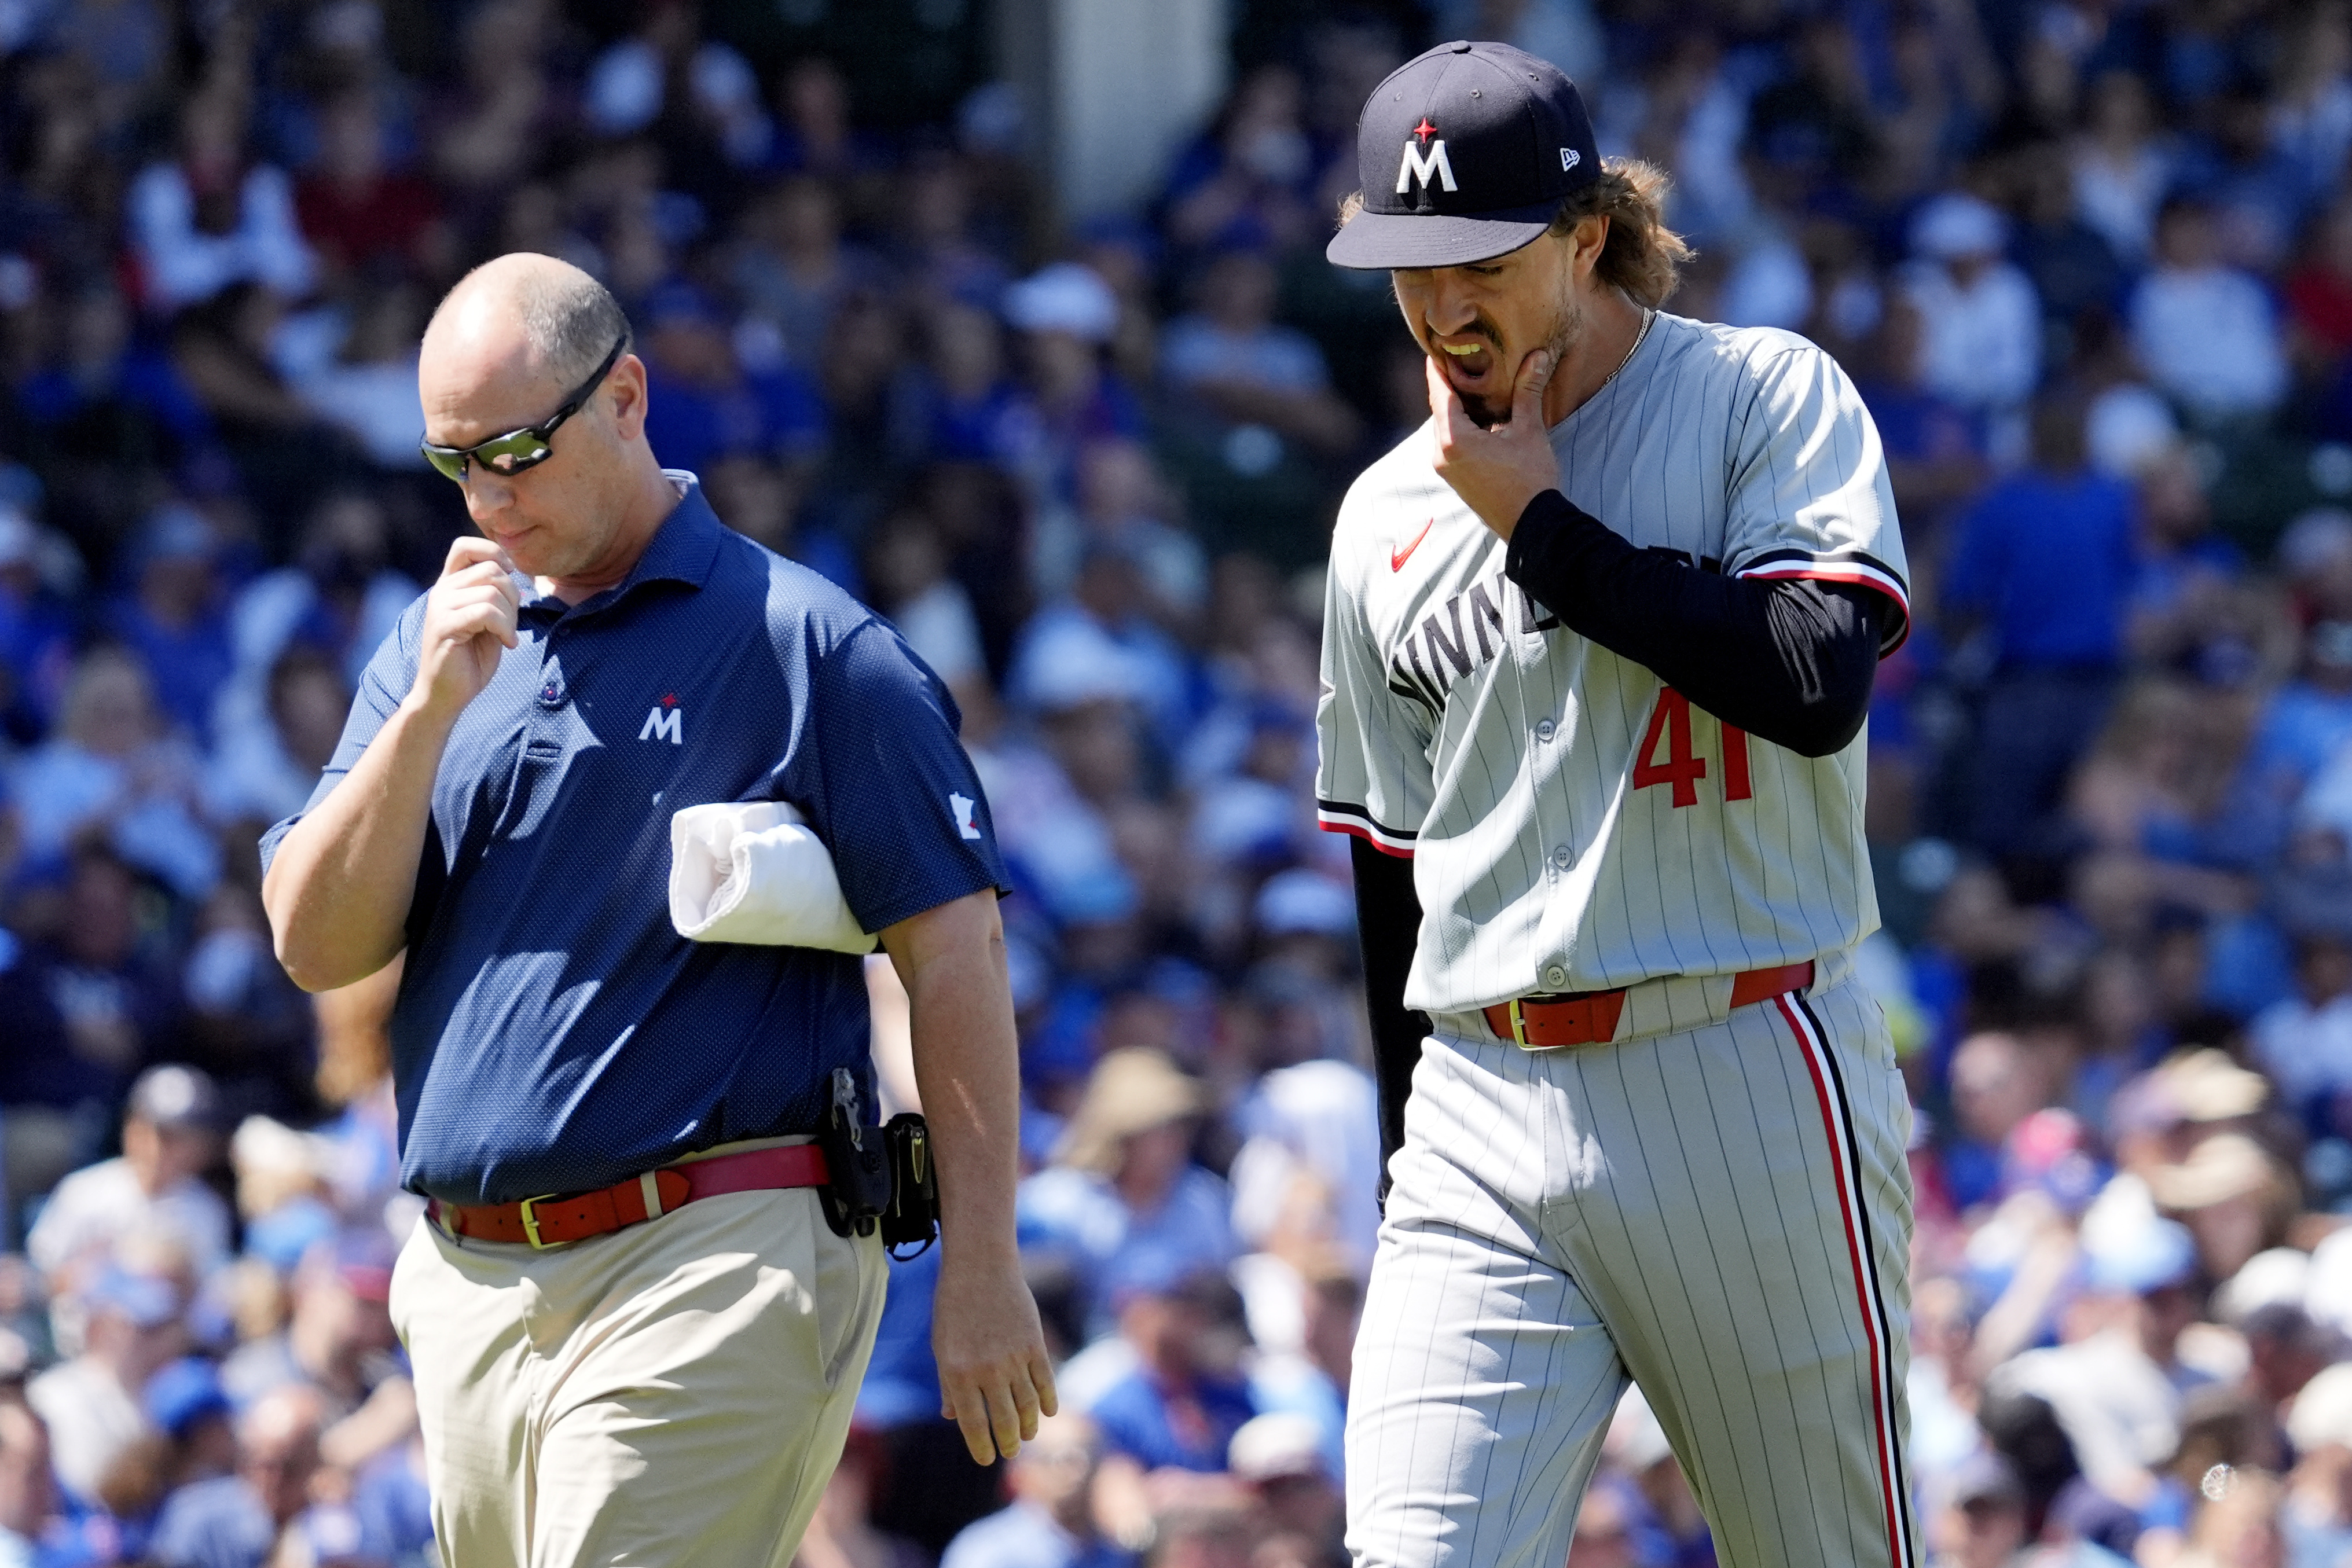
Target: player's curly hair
x=1642 y=255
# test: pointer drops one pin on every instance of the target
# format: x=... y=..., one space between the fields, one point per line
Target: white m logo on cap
x=1419 y=166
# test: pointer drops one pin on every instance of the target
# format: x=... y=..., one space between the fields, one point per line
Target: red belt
x=553 y=1220
x=1590 y=1018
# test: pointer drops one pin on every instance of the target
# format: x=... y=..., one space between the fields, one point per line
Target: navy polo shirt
x=553 y=1033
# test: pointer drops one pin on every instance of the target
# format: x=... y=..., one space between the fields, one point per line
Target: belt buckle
x=1519 y=1025
x=531 y=1221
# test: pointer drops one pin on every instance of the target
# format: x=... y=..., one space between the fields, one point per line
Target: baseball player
x=1597 y=651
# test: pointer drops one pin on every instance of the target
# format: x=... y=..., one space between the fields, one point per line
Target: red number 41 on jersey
x=1683 y=768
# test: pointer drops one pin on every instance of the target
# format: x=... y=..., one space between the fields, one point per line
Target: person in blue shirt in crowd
x=1050 y=1523
x=704 y=401
x=1124 y=1201
x=1167 y=1393
x=2043 y=566
x=611 y=1123
x=235 y=1520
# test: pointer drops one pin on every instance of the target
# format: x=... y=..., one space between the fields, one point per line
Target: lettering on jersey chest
x=1444 y=637
x=1462 y=618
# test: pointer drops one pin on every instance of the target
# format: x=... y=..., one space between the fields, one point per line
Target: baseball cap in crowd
x=175 y=1096
x=2278 y=1277
x=1133 y=1090
x=1068 y=297
x=2225 y=1167
x=17 y=537
x=1279 y=1446
x=1983 y=1479
x=2322 y=1412
x=1957 y=225
x=677 y=300
x=182 y=1393
x=148 y=1302
x=1301 y=902
x=2211 y=1087
x=1465 y=153
x=2328 y=1294
x=177 y=532
x=2141 y=1259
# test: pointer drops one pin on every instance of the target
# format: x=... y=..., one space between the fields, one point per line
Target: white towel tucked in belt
x=751 y=872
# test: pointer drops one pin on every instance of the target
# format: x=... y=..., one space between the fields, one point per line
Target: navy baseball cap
x=1465 y=152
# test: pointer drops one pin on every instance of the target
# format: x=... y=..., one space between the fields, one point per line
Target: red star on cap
x=1424 y=129
x=669 y=699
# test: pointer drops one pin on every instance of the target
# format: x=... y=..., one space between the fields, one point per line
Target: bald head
x=510 y=347
x=560 y=320
x=277 y=1446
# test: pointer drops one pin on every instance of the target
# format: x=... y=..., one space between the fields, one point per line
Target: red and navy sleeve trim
x=1340 y=816
x=1844 y=565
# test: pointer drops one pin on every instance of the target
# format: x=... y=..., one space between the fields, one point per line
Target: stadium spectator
x=1124 y=1197
x=2055 y=526
x=170 y=1136
x=2204 y=328
x=243 y=1520
x=1052 y=1522
x=90 y=1402
x=1167 y=1392
x=1983 y=321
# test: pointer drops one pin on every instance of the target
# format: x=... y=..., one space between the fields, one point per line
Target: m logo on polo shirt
x=666 y=722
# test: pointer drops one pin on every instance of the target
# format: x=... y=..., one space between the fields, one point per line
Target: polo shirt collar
x=682 y=549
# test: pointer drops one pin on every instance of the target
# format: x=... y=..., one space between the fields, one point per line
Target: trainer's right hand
x=469 y=618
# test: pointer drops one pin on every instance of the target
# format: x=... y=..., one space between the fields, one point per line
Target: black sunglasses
x=520 y=449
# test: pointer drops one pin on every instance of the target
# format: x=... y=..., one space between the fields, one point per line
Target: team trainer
x=1598 y=648
x=658 y=1364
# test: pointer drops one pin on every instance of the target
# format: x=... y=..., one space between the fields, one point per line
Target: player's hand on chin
x=1496 y=472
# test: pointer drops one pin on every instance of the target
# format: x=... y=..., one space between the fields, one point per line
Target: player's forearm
x=339 y=891
x=966 y=1069
x=1791 y=662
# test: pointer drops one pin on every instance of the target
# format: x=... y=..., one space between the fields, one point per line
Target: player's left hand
x=995 y=1379
x=1500 y=470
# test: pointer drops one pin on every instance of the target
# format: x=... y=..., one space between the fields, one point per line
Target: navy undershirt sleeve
x=1790 y=660
x=1388 y=924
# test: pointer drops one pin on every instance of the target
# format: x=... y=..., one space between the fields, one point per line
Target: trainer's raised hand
x=1496 y=471
x=470 y=617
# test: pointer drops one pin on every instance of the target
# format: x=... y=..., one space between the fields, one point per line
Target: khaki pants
x=674 y=1393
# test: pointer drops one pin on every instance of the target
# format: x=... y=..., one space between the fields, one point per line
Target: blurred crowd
x=2090 y=262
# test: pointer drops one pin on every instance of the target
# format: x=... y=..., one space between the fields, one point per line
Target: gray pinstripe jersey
x=1574 y=825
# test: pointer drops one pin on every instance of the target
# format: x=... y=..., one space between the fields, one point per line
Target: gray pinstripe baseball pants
x=1722 y=1214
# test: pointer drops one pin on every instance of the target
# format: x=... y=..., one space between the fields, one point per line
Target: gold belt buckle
x=1519 y=1026
x=531 y=1221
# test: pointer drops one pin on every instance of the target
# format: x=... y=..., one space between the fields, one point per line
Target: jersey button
x=1563 y=857
x=1555 y=978
x=1546 y=729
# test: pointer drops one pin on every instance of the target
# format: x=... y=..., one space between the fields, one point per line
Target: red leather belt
x=1590 y=1018
x=555 y=1220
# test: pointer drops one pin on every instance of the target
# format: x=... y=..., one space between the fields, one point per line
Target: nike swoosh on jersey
x=1397 y=557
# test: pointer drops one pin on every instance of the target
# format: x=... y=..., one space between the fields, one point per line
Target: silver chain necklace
x=1648 y=317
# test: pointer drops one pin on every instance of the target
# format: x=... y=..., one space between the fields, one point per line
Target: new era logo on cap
x=1465 y=153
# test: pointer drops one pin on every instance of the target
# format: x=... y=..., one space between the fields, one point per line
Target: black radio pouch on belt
x=913 y=1218
x=856 y=1191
